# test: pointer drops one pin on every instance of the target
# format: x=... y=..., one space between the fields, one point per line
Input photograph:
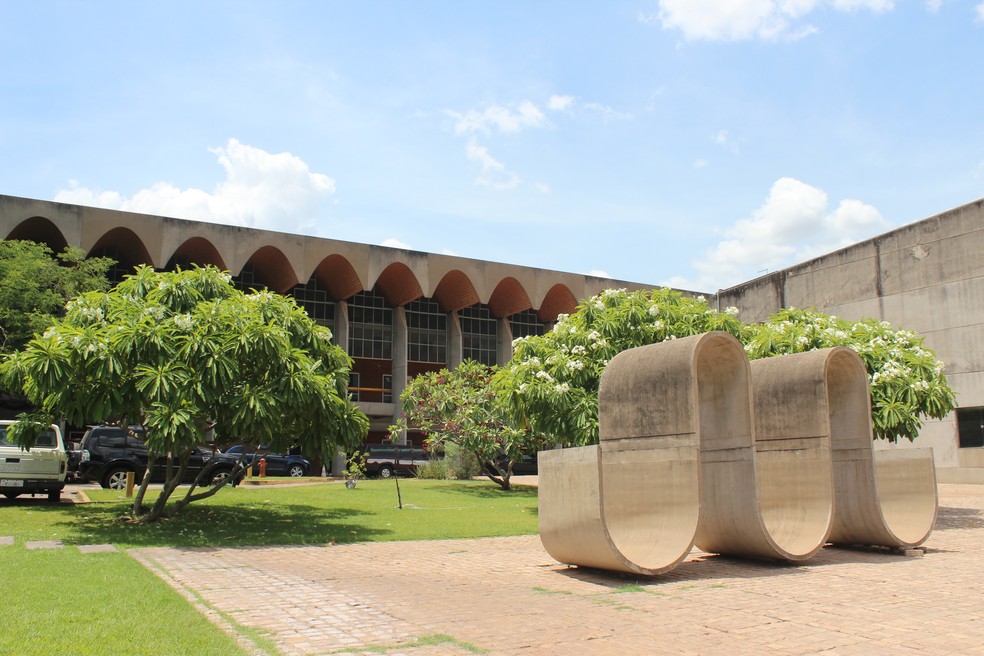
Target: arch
x=336 y=274
x=42 y=231
x=559 y=300
x=124 y=246
x=509 y=297
x=455 y=291
x=398 y=285
x=196 y=250
x=272 y=266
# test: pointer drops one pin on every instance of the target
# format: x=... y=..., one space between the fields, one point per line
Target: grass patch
x=127 y=609
x=271 y=515
x=60 y=601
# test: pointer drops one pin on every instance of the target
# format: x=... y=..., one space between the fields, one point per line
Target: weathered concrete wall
x=927 y=277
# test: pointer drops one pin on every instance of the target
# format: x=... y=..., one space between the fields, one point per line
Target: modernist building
x=399 y=313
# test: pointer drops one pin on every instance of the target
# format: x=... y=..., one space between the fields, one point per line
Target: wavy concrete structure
x=697 y=446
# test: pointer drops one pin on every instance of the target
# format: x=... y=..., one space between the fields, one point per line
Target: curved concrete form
x=698 y=446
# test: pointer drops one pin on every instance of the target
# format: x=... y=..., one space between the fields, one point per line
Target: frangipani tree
x=183 y=352
x=460 y=407
x=551 y=384
x=907 y=380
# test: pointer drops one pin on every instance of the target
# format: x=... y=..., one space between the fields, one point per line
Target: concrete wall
x=927 y=277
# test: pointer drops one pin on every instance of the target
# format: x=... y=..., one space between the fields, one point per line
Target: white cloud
x=494 y=174
x=725 y=141
x=264 y=190
x=934 y=5
x=542 y=187
x=396 y=243
x=508 y=119
x=979 y=10
x=738 y=20
x=598 y=273
x=700 y=163
x=607 y=113
x=559 y=103
x=794 y=224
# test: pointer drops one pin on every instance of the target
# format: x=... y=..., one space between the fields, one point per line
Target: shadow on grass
x=490 y=491
x=213 y=526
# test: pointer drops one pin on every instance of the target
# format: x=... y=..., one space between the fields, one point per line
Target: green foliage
x=35 y=285
x=460 y=407
x=551 y=384
x=183 y=352
x=355 y=466
x=907 y=381
x=434 y=469
x=461 y=463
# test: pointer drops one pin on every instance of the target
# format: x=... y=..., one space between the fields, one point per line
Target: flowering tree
x=551 y=384
x=460 y=407
x=183 y=352
x=907 y=381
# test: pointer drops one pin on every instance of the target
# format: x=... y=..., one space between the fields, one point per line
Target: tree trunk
x=170 y=484
x=138 y=508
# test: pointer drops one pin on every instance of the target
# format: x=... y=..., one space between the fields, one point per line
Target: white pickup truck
x=41 y=470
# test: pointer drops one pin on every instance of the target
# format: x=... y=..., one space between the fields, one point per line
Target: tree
x=459 y=407
x=552 y=381
x=181 y=353
x=35 y=285
x=907 y=381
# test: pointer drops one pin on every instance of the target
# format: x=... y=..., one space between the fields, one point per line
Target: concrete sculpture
x=769 y=459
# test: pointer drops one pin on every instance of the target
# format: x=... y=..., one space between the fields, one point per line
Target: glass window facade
x=248 y=279
x=315 y=300
x=970 y=426
x=427 y=332
x=479 y=334
x=370 y=327
x=526 y=323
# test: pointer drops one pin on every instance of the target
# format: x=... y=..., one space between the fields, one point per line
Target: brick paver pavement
x=507 y=596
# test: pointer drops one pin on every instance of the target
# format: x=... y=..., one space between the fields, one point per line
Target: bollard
x=130 y=477
x=262 y=467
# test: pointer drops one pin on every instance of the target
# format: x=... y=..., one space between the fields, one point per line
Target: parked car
x=109 y=453
x=40 y=470
x=528 y=464
x=385 y=460
x=277 y=464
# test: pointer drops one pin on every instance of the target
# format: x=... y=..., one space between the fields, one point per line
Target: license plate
x=11 y=482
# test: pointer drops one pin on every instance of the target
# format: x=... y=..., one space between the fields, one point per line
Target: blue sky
x=697 y=143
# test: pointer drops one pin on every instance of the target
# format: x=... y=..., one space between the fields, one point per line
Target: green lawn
x=64 y=602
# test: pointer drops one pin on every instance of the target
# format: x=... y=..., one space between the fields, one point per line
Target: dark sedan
x=277 y=464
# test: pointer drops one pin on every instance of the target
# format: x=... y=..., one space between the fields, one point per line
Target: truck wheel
x=54 y=496
x=115 y=479
x=385 y=471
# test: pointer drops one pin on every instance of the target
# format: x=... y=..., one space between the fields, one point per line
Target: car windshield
x=46 y=439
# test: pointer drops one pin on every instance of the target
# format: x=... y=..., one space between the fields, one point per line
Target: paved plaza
x=507 y=596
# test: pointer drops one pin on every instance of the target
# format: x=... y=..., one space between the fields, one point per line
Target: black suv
x=109 y=453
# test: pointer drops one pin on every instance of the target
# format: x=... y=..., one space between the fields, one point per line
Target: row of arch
x=392 y=273
x=268 y=264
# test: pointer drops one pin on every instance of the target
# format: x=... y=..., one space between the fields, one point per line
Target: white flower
x=654 y=310
x=562 y=388
x=574 y=365
x=577 y=349
x=732 y=310
x=543 y=375
x=517 y=341
x=184 y=322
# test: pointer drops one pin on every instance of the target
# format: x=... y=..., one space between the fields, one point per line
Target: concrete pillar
x=455 y=341
x=337 y=465
x=504 y=345
x=400 y=357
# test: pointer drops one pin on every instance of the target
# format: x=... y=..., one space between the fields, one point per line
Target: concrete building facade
x=399 y=313
x=927 y=277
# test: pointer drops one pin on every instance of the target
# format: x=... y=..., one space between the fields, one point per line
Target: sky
x=690 y=143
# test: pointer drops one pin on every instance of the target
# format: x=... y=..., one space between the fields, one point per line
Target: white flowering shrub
x=907 y=381
x=551 y=383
